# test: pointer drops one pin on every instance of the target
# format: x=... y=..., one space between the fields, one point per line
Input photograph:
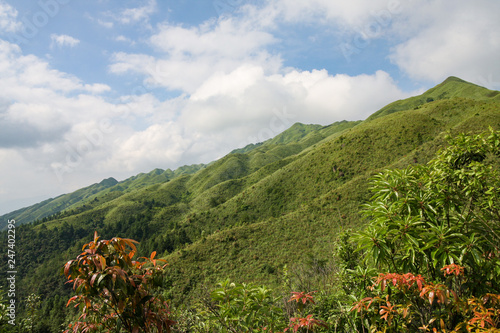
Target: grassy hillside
x=296 y=212
x=450 y=88
x=107 y=189
x=260 y=208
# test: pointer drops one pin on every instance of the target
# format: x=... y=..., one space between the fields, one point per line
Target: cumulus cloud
x=430 y=40
x=192 y=54
x=355 y=13
x=8 y=18
x=254 y=99
x=64 y=40
x=45 y=116
x=105 y=24
x=27 y=75
x=124 y=39
x=460 y=38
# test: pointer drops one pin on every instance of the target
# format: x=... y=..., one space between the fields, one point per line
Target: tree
x=429 y=220
x=32 y=313
x=116 y=293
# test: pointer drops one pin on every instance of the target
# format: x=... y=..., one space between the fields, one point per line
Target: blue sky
x=107 y=88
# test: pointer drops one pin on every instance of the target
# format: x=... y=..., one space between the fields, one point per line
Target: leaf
x=71 y=300
x=67 y=267
x=92 y=280
x=431 y=297
x=103 y=262
x=101 y=278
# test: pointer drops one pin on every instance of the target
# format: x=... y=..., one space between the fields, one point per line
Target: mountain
x=261 y=208
x=452 y=87
x=86 y=197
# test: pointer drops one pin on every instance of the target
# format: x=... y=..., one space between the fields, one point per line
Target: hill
x=81 y=199
x=450 y=88
x=261 y=208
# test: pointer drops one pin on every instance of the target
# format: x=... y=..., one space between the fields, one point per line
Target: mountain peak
x=452 y=87
x=454 y=79
x=108 y=182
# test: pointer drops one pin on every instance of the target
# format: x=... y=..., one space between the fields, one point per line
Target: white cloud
x=8 y=18
x=460 y=38
x=124 y=39
x=191 y=55
x=64 y=40
x=24 y=76
x=431 y=39
x=45 y=116
x=254 y=98
x=105 y=24
x=354 y=13
x=135 y=15
x=159 y=144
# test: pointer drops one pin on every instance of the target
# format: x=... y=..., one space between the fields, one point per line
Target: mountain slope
x=107 y=189
x=450 y=88
x=298 y=210
x=250 y=213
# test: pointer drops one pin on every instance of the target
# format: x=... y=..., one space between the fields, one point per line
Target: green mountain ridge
x=450 y=88
x=260 y=208
x=105 y=190
x=110 y=188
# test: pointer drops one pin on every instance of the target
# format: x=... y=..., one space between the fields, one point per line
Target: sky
x=112 y=88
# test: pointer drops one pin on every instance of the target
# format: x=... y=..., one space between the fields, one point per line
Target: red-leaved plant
x=115 y=292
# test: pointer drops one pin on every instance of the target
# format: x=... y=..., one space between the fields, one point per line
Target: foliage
x=32 y=314
x=115 y=292
x=237 y=308
x=411 y=303
x=426 y=220
x=4 y=311
x=301 y=323
x=242 y=307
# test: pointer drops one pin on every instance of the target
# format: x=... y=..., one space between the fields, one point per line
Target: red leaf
x=71 y=300
x=92 y=280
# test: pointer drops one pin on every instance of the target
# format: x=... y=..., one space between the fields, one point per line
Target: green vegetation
x=436 y=228
x=273 y=214
x=451 y=88
x=115 y=292
x=92 y=196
